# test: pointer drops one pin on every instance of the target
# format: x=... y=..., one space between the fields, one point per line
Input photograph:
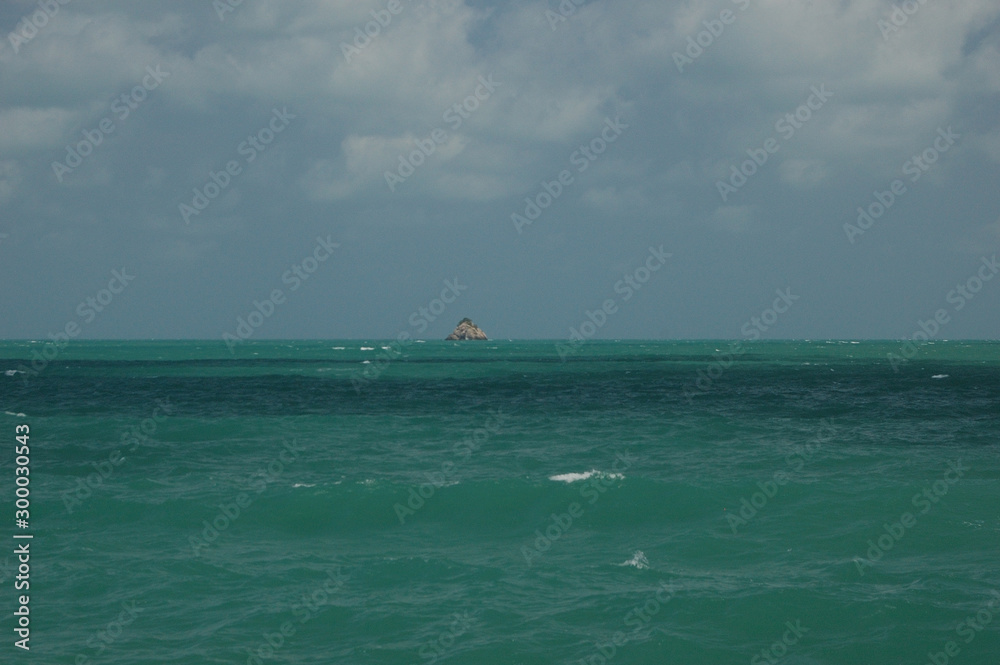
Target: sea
x=500 y=502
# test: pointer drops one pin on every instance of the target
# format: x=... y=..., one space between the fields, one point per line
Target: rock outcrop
x=466 y=329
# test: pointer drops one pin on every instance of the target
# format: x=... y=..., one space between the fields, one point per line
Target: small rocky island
x=466 y=329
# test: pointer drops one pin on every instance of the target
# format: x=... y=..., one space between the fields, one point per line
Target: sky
x=627 y=170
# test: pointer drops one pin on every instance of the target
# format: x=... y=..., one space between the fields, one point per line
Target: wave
x=586 y=475
x=638 y=561
x=309 y=505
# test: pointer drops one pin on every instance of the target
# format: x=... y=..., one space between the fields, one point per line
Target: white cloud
x=25 y=129
x=989 y=143
x=984 y=239
x=735 y=219
x=366 y=159
x=614 y=198
x=10 y=179
x=802 y=171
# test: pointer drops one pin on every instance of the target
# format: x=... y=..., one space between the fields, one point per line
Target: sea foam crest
x=638 y=560
x=574 y=477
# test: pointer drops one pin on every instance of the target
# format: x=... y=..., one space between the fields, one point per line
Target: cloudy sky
x=530 y=161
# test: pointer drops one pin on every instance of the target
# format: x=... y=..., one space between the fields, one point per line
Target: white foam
x=304 y=485
x=574 y=477
x=12 y=372
x=367 y=348
x=638 y=560
x=16 y=415
x=940 y=376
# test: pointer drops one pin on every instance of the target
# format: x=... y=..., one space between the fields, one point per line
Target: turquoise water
x=634 y=502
